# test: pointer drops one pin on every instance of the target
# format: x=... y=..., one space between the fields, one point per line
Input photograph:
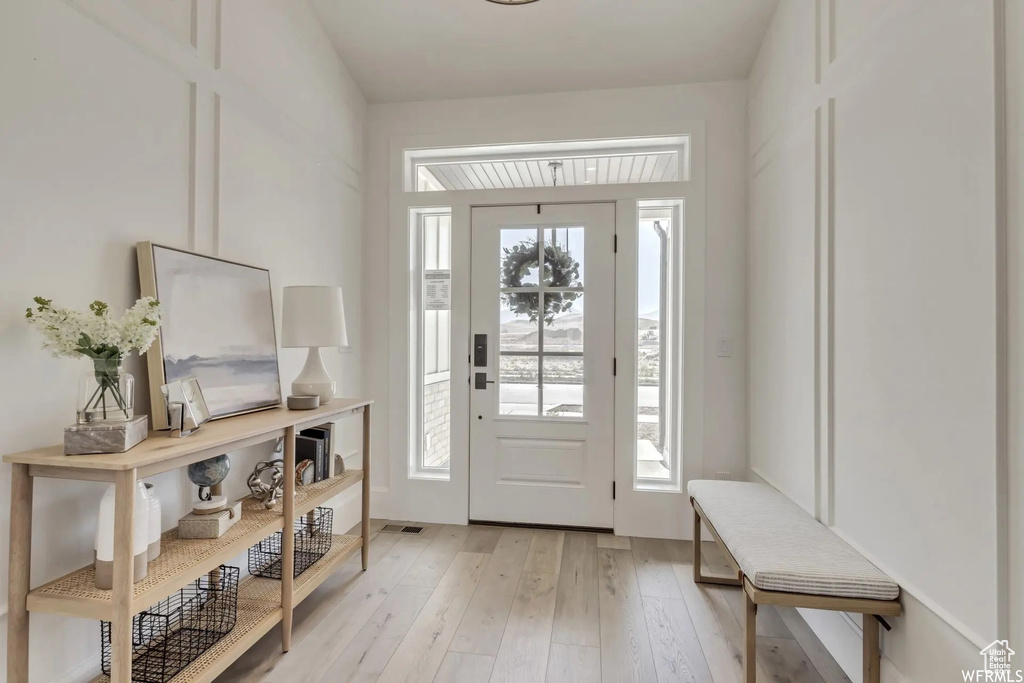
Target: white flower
x=140 y=324
x=69 y=333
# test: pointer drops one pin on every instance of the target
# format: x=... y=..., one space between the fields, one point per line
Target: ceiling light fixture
x=511 y=2
x=555 y=167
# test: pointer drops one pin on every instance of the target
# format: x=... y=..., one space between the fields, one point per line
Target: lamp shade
x=313 y=316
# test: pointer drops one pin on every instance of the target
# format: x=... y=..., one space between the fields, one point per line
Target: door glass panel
x=518 y=385
x=563 y=386
x=519 y=265
x=563 y=257
x=563 y=322
x=541 y=316
x=518 y=331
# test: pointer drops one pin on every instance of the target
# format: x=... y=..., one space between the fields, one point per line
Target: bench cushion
x=780 y=547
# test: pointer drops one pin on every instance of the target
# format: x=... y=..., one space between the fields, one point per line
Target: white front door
x=542 y=427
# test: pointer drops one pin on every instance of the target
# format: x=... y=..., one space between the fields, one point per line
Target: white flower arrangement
x=70 y=333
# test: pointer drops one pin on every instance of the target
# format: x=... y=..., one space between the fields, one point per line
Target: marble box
x=209 y=526
x=107 y=437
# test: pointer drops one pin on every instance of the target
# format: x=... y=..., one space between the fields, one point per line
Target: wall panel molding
x=217 y=166
x=193 y=65
x=1002 y=493
x=857 y=50
x=830 y=309
x=840 y=73
x=199 y=63
x=824 y=313
x=194 y=25
x=830 y=25
x=1014 y=50
x=884 y=106
x=193 y=165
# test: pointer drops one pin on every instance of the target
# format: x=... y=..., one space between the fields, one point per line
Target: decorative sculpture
x=268 y=494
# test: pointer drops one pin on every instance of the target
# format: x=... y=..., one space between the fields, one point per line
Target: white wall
x=95 y=137
x=578 y=115
x=875 y=306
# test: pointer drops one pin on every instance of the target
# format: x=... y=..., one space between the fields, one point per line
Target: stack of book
x=314 y=445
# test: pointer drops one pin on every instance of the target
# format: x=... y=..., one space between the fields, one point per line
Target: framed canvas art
x=218 y=326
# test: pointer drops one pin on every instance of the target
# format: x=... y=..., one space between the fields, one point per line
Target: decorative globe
x=209 y=472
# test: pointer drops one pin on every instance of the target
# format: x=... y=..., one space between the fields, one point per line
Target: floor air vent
x=401 y=529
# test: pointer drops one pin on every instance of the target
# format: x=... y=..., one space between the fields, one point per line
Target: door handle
x=482 y=381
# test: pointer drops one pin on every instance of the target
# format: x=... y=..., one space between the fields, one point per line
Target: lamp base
x=314 y=378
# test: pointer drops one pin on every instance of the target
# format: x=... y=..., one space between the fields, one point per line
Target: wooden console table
x=262 y=603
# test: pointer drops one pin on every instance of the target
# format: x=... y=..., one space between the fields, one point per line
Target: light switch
x=725 y=347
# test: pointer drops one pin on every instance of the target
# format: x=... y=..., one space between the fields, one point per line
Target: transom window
x=617 y=161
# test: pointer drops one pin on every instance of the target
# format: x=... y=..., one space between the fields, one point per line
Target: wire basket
x=173 y=633
x=312 y=542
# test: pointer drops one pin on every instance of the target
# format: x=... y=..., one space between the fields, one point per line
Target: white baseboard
x=841 y=636
x=82 y=672
x=844 y=639
x=925 y=644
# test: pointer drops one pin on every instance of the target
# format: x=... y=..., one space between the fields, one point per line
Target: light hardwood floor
x=467 y=604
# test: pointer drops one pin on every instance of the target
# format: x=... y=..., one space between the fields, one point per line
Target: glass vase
x=106 y=394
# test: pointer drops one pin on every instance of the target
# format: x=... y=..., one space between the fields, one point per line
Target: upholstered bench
x=783 y=556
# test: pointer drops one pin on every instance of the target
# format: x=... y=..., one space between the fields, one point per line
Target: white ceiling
x=407 y=50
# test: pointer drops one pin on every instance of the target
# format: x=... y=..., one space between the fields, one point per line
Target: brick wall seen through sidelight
x=436 y=424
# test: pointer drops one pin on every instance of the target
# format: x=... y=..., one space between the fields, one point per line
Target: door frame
x=661 y=514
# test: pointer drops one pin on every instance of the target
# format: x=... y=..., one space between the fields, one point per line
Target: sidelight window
x=659 y=348
x=431 y=443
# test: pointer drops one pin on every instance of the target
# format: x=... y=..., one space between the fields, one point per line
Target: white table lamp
x=314 y=317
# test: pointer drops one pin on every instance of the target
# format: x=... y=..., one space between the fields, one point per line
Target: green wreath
x=560 y=270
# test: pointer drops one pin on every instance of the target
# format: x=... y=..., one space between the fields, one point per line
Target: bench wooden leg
x=696 y=548
x=698 y=575
x=750 y=641
x=872 y=650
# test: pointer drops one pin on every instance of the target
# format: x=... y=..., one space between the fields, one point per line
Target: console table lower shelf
x=259 y=610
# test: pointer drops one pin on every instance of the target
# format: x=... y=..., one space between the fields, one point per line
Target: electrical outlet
x=723 y=476
x=725 y=347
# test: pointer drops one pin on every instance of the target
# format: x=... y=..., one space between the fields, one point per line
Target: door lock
x=482 y=381
x=480 y=351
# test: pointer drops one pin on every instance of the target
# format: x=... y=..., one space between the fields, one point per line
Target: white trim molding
x=1014 y=122
x=447 y=501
